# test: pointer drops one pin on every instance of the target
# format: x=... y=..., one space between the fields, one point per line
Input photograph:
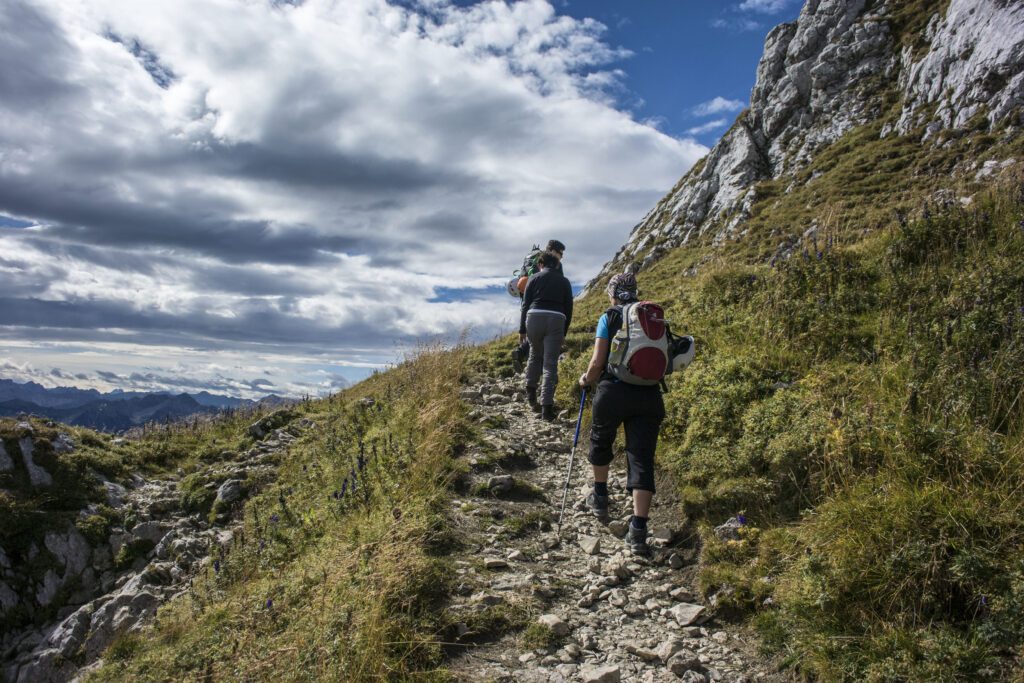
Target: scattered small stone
x=675 y=561
x=686 y=613
x=604 y=674
x=720 y=636
x=516 y=556
x=502 y=483
x=591 y=544
x=618 y=528
x=730 y=530
x=555 y=623
x=495 y=563
x=681 y=662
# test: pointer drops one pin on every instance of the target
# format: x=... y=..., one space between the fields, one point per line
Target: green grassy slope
x=860 y=403
x=328 y=582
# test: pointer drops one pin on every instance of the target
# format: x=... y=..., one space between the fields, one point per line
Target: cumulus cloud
x=300 y=180
x=707 y=127
x=717 y=105
x=764 y=6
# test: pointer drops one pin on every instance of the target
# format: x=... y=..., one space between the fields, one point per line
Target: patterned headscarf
x=622 y=287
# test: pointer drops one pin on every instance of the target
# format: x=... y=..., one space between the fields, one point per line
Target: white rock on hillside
x=975 y=64
x=818 y=78
x=36 y=474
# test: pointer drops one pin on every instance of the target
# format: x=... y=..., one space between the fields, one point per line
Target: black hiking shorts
x=640 y=410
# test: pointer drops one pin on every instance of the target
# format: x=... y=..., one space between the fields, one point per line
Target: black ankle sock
x=601 y=488
x=638 y=522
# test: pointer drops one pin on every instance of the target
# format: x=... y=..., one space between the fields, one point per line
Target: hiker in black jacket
x=522 y=352
x=544 y=320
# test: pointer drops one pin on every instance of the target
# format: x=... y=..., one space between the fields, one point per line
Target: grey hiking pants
x=546 y=332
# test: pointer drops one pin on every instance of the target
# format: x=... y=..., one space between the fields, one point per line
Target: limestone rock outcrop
x=820 y=77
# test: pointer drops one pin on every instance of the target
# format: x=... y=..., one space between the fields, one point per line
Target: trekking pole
x=572 y=456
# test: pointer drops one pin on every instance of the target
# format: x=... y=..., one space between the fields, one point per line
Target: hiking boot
x=547 y=413
x=531 y=398
x=598 y=506
x=636 y=539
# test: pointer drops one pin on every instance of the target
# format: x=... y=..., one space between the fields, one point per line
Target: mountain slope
x=908 y=73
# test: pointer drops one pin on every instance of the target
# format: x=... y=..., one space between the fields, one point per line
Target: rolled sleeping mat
x=682 y=353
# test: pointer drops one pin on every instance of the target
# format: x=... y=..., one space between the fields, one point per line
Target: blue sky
x=684 y=53
x=177 y=204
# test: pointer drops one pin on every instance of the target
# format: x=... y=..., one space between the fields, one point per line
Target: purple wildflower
x=742 y=519
x=216 y=566
x=275 y=518
x=270 y=604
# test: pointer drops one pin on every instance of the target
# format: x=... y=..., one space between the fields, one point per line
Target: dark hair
x=555 y=245
x=548 y=259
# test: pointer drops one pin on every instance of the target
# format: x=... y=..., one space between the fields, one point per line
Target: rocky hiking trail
x=596 y=613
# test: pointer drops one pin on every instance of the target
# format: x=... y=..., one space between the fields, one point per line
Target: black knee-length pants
x=641 y=410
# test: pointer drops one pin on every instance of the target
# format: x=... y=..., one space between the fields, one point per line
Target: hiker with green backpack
x=517 y=288
x=633 y=351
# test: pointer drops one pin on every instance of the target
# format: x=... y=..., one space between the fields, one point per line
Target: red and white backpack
x=640 y=350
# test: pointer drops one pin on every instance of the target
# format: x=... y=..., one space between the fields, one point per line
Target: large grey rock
x=229 y=491
x=150 y=531
x=48 y=588
x=63 y=443
x=6 y=463
x=5 y=562
x=600 y=674
x=115 y=494
x=71 y=550
x=555 y=623
x=502 y=483
x=36 y=474
x=685 y=613
x=974 y=64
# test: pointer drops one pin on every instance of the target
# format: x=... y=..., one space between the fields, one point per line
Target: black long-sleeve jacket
x=547 y=290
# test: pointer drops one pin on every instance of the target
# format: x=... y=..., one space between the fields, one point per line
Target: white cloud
x=302 y=180
x=764 y=6
x=737 y=24
x=707 y=127
x=717 y=105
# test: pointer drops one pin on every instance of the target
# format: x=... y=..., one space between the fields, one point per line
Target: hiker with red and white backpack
x=633 y=351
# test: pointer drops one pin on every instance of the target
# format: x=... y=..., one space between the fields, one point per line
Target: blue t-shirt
x=602 y=328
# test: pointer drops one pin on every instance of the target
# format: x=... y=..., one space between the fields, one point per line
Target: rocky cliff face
x=839 y=66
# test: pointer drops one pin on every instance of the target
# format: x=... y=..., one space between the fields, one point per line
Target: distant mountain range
x=116 y=410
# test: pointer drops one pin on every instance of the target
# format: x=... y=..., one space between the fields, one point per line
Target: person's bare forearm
x=597 y=361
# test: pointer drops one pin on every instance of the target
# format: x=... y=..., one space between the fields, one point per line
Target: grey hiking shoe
x=636 y=539
x=547 y=413
x=598 y=506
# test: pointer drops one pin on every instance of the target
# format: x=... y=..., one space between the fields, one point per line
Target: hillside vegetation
x=341 y=562
x=860 y=404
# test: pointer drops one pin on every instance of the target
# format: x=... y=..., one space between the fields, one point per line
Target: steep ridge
x=916 y=67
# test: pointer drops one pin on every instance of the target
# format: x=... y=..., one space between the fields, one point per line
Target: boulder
x=555 y=623
x=501 y=484
x=229 y=491
x=115 y=494
x=71 y=550
x=600 y=674
x=686 y=613
x=149 y=531
x=48 y=588
x=36 y=474
x=63 y=443
x=591 y=545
